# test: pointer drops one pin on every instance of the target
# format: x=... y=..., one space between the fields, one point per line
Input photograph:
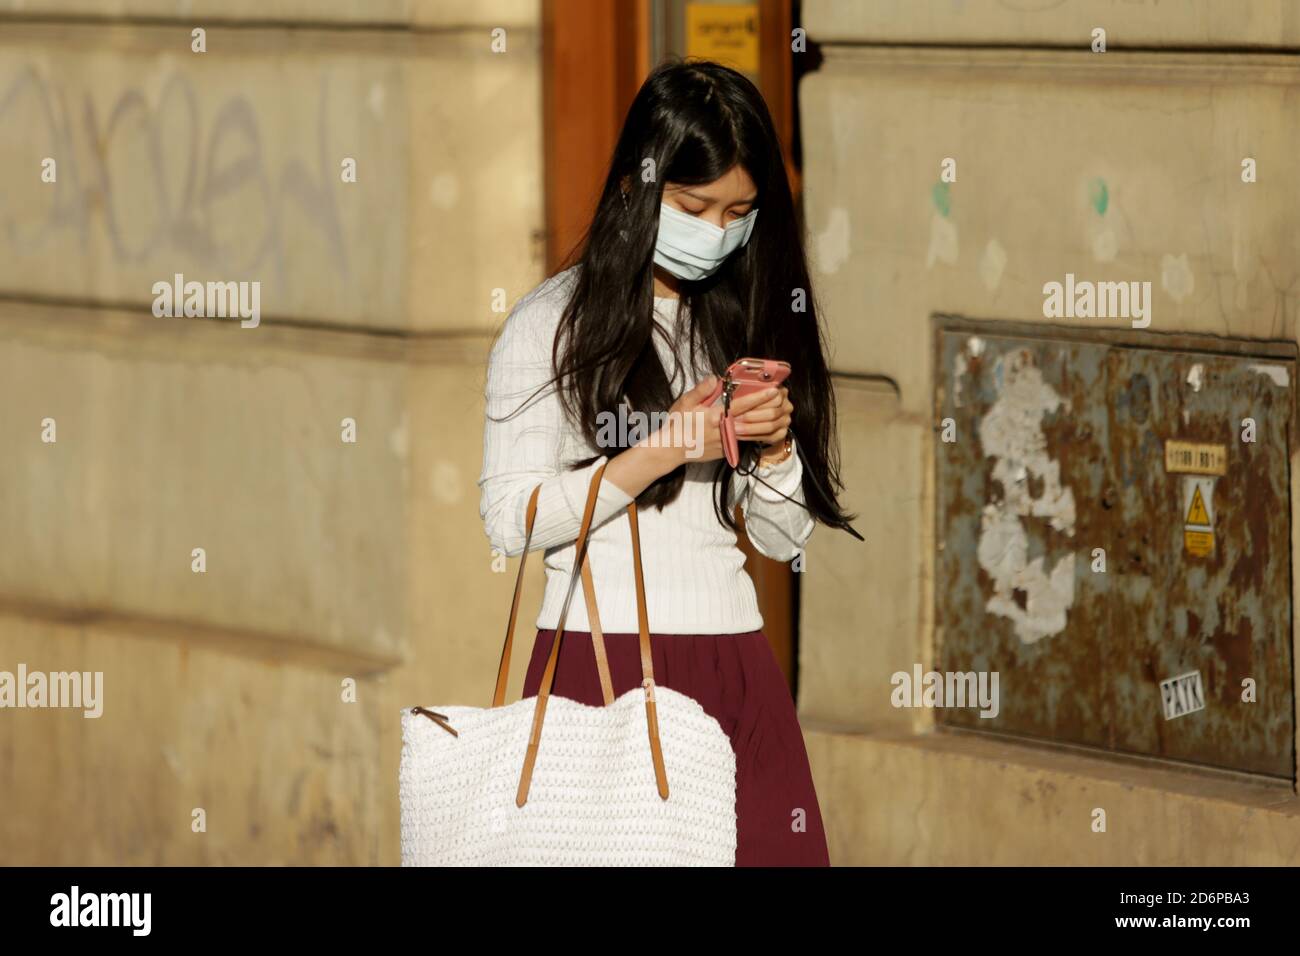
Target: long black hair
x=691 y=122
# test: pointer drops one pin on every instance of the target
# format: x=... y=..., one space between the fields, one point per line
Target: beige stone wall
x=228 y=164
x=1033 y=130
x=1268 y=24
x=326 y=560
x=329 y=561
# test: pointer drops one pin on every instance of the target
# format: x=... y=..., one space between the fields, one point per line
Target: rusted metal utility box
x=1113 y=534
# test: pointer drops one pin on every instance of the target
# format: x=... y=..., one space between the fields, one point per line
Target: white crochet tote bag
x=477 y=787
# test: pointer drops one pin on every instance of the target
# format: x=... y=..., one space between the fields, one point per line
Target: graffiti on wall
x=166 y=176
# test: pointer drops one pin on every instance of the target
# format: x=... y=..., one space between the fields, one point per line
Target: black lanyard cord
x=809 y=471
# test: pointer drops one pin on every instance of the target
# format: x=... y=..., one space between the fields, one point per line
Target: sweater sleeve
x=778 y=528
x=523 y=450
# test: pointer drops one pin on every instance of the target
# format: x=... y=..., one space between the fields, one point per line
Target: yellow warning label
x=1198 y=506
x=726 y=32
x=1198 y=543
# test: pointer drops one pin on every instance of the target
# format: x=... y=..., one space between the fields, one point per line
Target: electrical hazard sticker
x=1198 y=516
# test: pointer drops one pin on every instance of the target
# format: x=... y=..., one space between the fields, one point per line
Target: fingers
x=744 y=403
x=706 y=387
x=765 y=438
x=766 y=424
x=763 y=431
x=774 y=407
x=768 y=412
x=699 y=395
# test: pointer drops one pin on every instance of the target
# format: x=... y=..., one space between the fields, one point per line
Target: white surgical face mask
x=691 y=248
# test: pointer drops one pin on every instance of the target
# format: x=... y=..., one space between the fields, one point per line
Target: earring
x=626 y=204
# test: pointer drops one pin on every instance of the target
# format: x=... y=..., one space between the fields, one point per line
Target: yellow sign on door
x=1198 y=515
x=726 y=32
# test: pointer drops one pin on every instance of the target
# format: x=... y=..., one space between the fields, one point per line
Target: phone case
x=744 y=376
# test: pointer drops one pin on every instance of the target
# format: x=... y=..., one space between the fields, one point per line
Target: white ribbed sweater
x=694 y=572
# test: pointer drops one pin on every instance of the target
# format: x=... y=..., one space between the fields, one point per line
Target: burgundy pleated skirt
x=736 y=679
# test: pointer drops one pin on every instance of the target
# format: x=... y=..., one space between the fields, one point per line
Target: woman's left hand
x=769 y=422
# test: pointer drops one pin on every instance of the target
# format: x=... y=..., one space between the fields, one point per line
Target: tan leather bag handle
x=589 y=591
x=548 y=677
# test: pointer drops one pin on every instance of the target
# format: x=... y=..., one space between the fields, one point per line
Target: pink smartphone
x=743 y=377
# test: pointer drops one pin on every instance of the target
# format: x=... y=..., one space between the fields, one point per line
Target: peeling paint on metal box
x=1011 y=434
x=1061 y=458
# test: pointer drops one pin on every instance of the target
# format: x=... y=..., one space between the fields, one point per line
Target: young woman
x=693 y=260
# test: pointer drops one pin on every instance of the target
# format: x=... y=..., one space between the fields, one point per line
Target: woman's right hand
x=693 y=428
x=691 y=434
